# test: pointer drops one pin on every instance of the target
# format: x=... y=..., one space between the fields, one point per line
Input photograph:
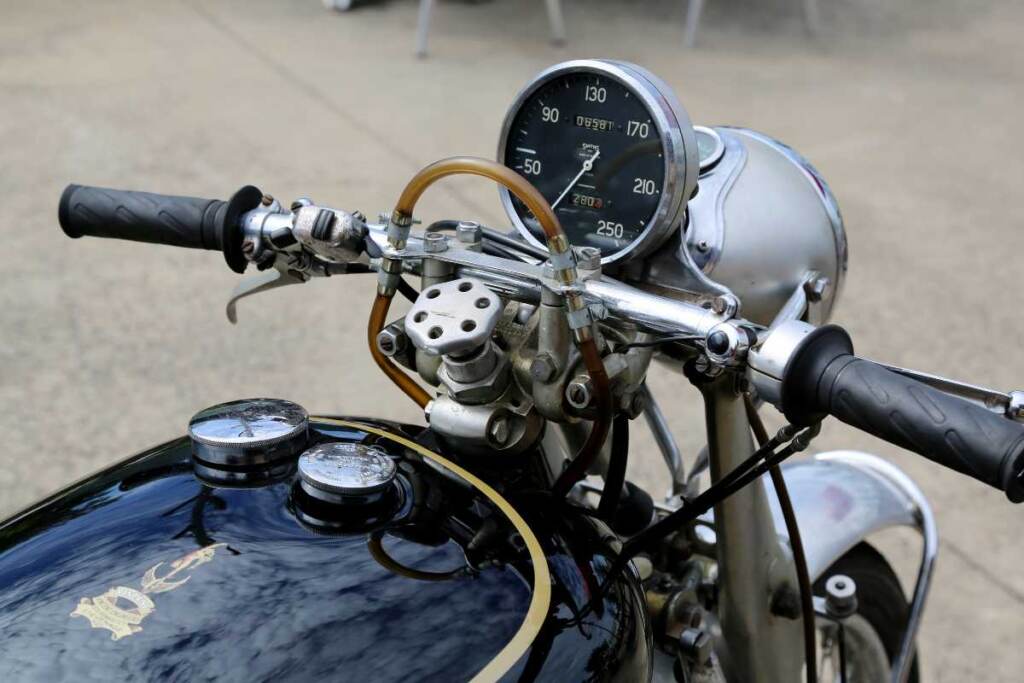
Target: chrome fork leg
x=752 y=563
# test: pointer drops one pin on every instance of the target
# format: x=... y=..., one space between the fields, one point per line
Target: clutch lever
x=271 y=278
x=289 y=269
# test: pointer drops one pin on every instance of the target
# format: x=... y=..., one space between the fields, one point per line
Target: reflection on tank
x=428 y=588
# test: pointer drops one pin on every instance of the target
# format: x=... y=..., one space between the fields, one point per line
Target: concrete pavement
x=912 y=113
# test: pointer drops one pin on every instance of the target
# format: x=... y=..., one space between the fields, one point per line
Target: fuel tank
x=149 y=571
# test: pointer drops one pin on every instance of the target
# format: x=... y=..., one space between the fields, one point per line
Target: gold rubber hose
x=378 y=315
x=540 y=599
x=558 y=243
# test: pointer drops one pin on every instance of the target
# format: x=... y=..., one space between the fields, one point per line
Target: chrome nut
x=391 y=341
x=588 y=258
x=580 y=392
x=817 y=289
x=435 y=243
x=469 y=232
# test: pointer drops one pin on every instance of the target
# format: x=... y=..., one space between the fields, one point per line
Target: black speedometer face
x=593 y=150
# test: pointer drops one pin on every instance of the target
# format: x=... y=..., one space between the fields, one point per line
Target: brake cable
x=803 y=577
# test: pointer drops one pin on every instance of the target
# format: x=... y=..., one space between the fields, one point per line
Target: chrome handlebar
x=303 y=252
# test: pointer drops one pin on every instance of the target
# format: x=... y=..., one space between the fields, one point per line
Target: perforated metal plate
x=453 y=317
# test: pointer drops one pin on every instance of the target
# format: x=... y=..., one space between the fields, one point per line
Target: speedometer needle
x=587 y=165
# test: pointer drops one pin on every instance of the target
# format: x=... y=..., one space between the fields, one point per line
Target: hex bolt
x=391 y=341
x=632 y=404
x=469 y=232
x=588 y=258
x=543 y=368
x=579 y=392
x=499 y=431
x=435 y=243
x=723 y=305
x=817 y=288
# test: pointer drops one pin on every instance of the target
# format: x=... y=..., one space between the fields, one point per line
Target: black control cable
x=753 y=468
x=803 y=576
x=615 y=478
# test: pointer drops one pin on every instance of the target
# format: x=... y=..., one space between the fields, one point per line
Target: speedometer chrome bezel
x=678 y=143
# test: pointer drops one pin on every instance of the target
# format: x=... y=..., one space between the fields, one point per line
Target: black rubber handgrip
x=943 y=428
x=189 y=222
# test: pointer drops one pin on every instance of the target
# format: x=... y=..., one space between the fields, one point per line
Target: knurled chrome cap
x=343 y=472
x=247 y=433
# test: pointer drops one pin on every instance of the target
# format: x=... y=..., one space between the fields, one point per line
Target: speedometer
x=610 y=148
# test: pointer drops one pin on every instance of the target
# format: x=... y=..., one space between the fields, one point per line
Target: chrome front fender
x=842 y=497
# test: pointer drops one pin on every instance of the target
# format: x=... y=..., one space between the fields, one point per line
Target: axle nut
x=840 y=596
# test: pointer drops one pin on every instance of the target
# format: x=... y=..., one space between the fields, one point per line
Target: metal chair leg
x=812 y=18
x=693 y=11
x=557 y=20
x=423 y=27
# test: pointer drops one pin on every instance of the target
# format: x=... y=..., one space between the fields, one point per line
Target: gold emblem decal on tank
x=121 y=609
x=110 y=611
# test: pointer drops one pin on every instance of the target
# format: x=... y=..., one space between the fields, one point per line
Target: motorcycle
x=502 y=540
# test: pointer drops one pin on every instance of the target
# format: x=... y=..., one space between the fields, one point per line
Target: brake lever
x=265 y=281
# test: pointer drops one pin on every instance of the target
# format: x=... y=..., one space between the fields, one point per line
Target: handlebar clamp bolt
x=435 y=243
x=469 y=232
x=588 y=258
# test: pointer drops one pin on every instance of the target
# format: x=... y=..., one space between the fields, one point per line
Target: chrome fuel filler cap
x=346 y=473
x=255 y=432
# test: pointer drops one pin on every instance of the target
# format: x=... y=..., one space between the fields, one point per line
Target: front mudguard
x=842 y=497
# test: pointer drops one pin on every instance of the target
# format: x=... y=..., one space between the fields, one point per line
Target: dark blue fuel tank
x=146 y=572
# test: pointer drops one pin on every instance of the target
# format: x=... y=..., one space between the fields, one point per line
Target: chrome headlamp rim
x=675 y=131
